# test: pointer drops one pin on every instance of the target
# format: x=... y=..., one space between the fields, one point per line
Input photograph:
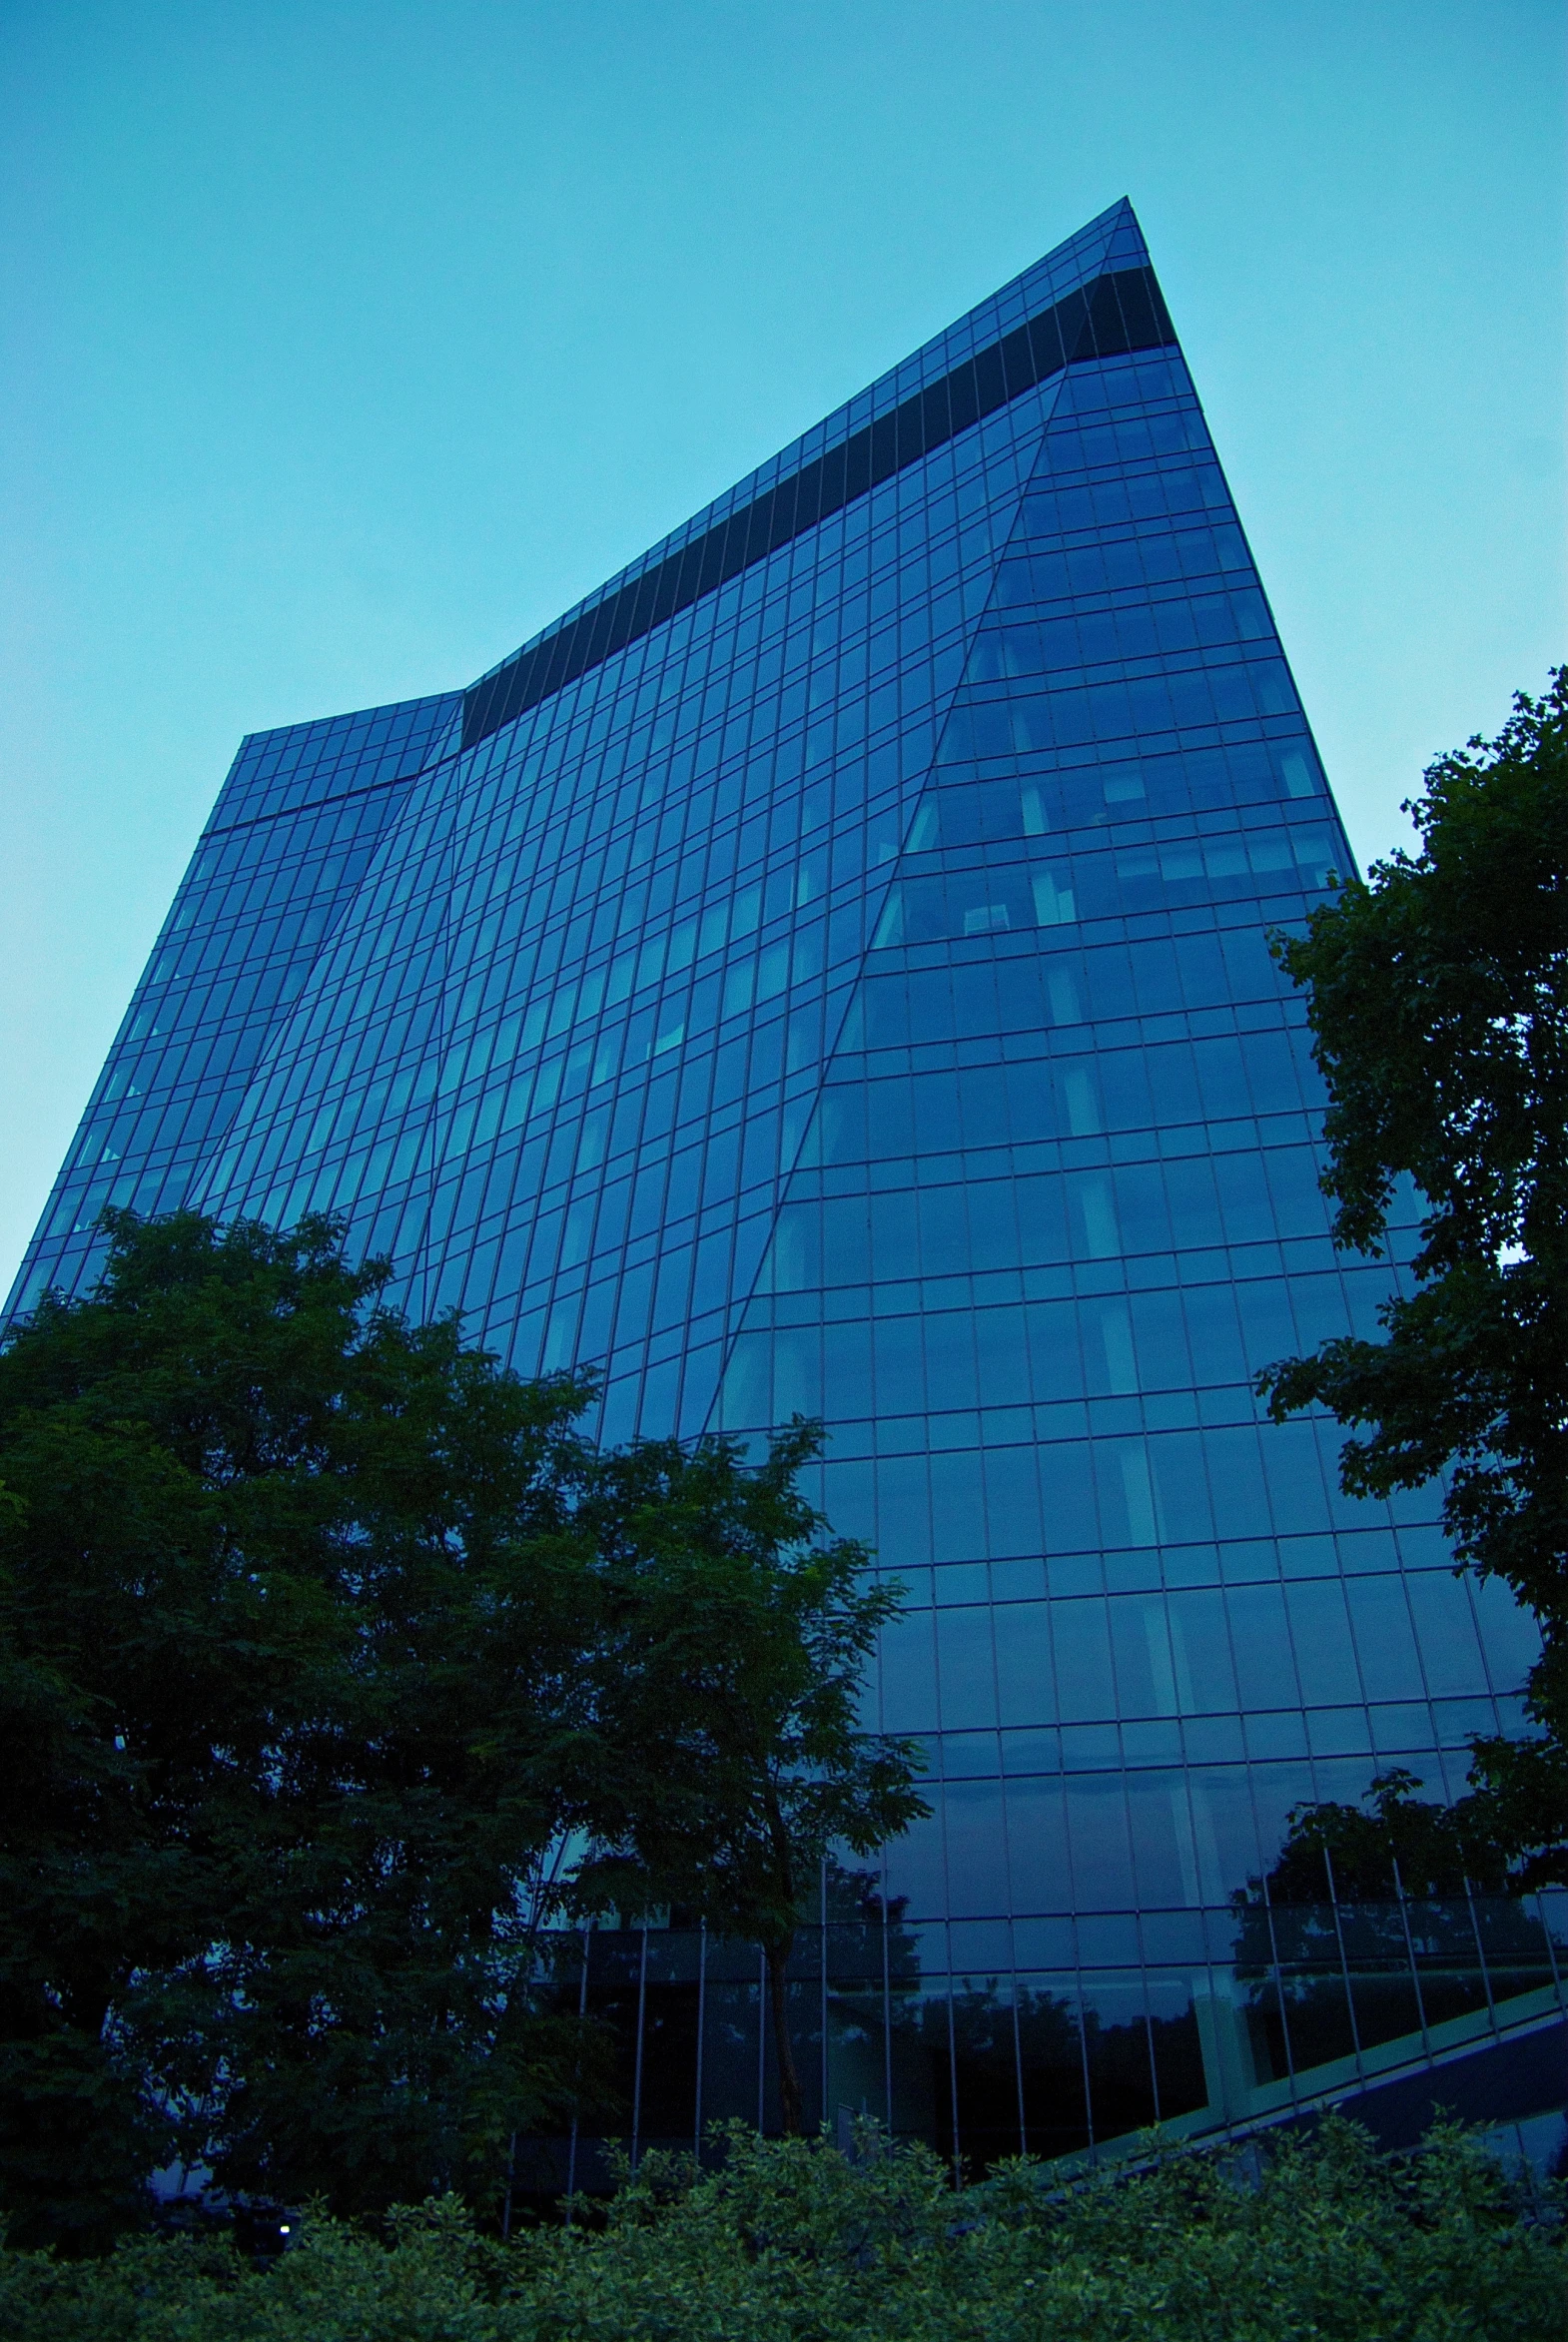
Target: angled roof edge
x=971 y=369
x=1111 y=238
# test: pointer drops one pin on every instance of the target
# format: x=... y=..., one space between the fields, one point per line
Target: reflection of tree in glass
x=969 y=2050
x=865 y=1942
x=1008 y=2062
x=1362 y=1843
x=1371 y=1922
x=855 y=1904
x=1050 y=2059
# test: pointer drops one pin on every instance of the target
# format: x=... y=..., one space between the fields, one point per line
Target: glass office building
x=828 y=971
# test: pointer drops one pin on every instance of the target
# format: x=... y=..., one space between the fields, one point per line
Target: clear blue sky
x=349 y=342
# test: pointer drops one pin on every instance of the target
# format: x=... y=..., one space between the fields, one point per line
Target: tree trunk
x=777 y=1956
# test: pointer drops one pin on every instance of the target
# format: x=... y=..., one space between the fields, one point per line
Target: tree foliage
x=794 y=2242
x=736 y=1674
x=1438 y=1000
x=313 y=1627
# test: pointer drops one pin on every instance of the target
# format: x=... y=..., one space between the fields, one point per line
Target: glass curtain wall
x=285 y=848
x=828 y=972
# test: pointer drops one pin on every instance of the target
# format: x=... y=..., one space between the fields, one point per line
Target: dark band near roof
x=1119 y=311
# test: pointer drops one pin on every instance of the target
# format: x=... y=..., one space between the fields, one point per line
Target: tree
x=1438 y=1001
x=734 y=1675
x=292 y=1612
x=325 y=1643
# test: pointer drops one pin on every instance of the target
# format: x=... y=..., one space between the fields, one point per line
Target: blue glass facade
x=827 y=971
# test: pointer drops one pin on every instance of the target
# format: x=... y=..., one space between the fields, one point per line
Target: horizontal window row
x=1416 y=1726
x=1429 y=1737
x=1037 y=1217
x=1138 y=793
x=1119 y=806
x=1111 y=982
x=1027 y=723
x=918 y=572
x=658 y=1045
x=1148 y=490
x=954 y=1361
x=1046 y=2065
x=1129 y=630
x=915 y=645
x=1148 y=556
x=1307 y=1643
x=1186 y=1205
x=368 y=732
x=673 y=778
x=139 y=1134
x=1088 y=1847
x=1042 y=1352
x=277 y=884
x=607 y=882
x=1096 y=1206
x=298 y=930
x=1418 y=1545
x=999 y=898
x=1053 y=1496
x=900 y=1372
x=976 y=999
x=346 y=750
x=1145 y=799
x=223 y=999
x=943 y=1233
x=1087 y=1843
x=1228 y=1078
x=1134 y=435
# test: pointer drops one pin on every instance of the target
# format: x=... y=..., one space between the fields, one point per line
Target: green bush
x=793 y=2242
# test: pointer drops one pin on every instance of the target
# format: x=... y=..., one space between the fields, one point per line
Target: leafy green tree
x=324 y=1645
x=734 y=1674
x=293 y=1614
x=1438 y=998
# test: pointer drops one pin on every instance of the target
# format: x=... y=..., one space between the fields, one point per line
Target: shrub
x=791 y=2241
